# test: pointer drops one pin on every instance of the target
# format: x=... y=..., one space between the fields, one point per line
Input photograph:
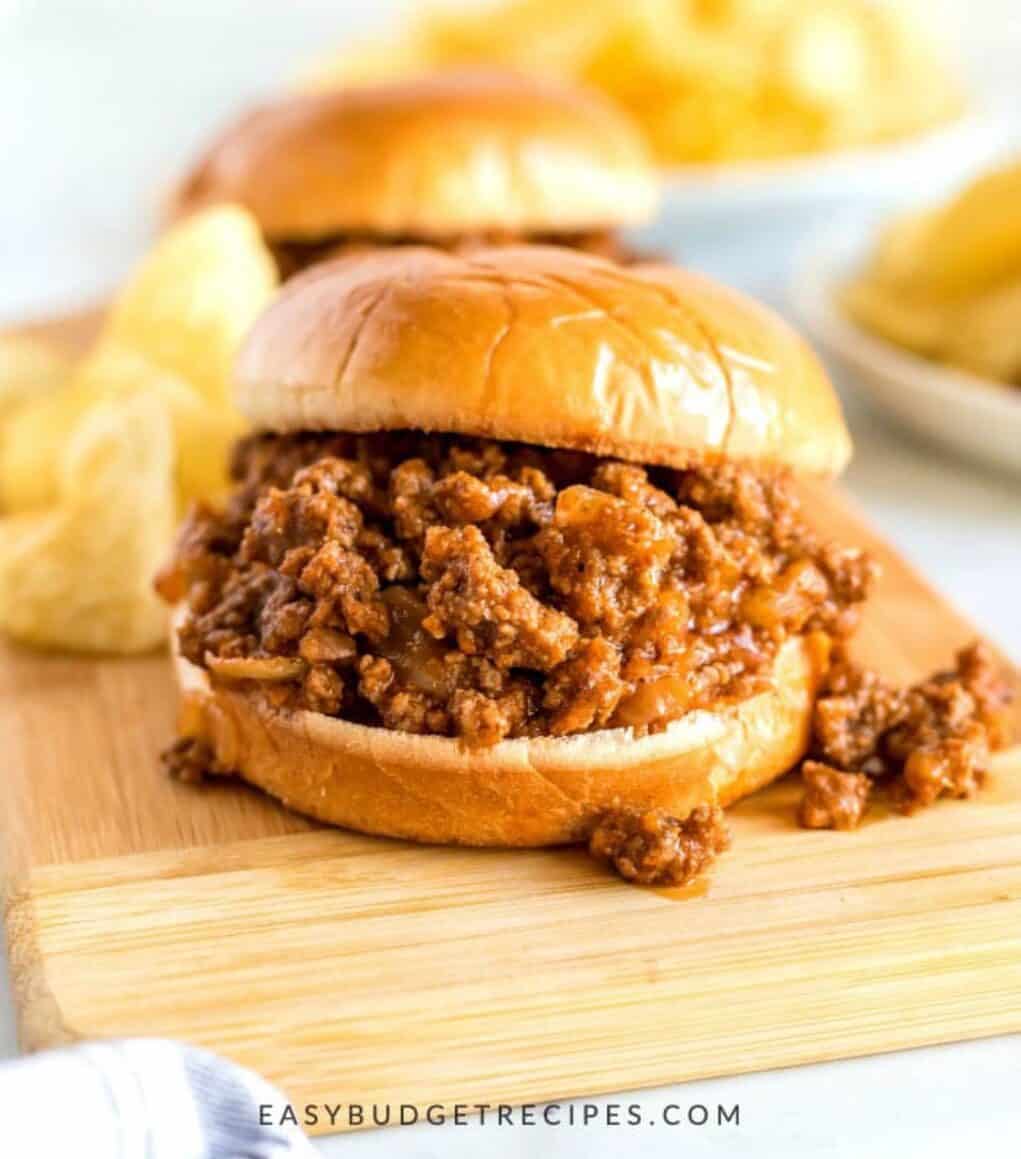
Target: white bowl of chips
x=966 y=413
x=934 y=160
x=740 y=216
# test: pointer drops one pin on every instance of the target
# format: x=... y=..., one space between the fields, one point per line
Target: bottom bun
x=544 y=791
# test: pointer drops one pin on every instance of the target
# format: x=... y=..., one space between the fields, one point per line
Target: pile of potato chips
x=946 y=283
x=708 y=80
x=98 y=459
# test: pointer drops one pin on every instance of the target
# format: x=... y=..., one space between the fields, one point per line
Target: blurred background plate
x=970 y=415
x=742 y=221
x=880 y=171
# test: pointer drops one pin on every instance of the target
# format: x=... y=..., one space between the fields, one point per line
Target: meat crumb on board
x=653 y=848
x=917 y=744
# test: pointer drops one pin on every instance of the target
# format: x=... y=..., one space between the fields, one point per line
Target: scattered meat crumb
x=832 y=800
x=931 y=740
x=189 y=760
x=654 y=848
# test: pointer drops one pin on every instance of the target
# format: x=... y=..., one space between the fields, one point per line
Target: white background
x=101 y=101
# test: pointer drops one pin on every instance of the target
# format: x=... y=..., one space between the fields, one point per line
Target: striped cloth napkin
x=142 y=1098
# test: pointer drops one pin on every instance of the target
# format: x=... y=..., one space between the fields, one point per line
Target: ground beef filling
x=482 y=590
x=931 y=740
x=653 y=848
x=916 y=744
x=294 y=256
x=191 y=760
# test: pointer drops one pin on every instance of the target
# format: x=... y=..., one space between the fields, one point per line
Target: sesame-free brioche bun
x=544 y=345
x=521 y=792
x=433 y=157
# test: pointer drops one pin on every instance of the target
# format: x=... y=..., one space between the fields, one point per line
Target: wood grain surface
x=352 y=969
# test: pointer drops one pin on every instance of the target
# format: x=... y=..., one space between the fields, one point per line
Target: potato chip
x=707 y=80
x=79 y=575
x=975 y=241
x=946 y=282
x=194 y=296
x=366 y=63
x=824 y=59
x=899 y=258
x=529 y=34
x=28 y=369
x=203 y=431
x=32 y=441
x=174 y=331
x=94 y=473
x=918 y=326
x=986 y=336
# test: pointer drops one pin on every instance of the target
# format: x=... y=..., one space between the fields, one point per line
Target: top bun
x=433 y=157
x=544 y=345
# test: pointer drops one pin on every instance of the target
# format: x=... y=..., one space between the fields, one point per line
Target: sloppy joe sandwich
x=515 y=557
x=449 y=159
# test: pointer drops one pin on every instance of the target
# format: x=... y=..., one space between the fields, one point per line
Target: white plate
x=742 y=222
x=878 y=172
x=968 y=414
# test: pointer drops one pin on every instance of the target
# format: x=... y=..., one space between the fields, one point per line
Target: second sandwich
x=453 y=159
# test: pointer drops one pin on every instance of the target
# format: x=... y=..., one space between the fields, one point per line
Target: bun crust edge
x=433 y=156
x=525 y=792
x=543 y=345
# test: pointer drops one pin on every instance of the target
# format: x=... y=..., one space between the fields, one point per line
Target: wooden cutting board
x=352 y=969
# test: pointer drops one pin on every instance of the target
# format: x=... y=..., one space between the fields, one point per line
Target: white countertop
x=99 y=101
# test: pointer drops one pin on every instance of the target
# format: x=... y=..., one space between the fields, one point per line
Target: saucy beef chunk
x=606 y=558
x=832 y=800
x=465 y=587
x=931 y=740
x=292 y=257
x=583 y=692
x=653 y=848
x=189 y=759
x=855 y=709
x=951 y=724
x=486 y=608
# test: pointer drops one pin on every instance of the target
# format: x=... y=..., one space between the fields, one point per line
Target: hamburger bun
x=434 y=157
x=522 y=792
x=545 y=345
